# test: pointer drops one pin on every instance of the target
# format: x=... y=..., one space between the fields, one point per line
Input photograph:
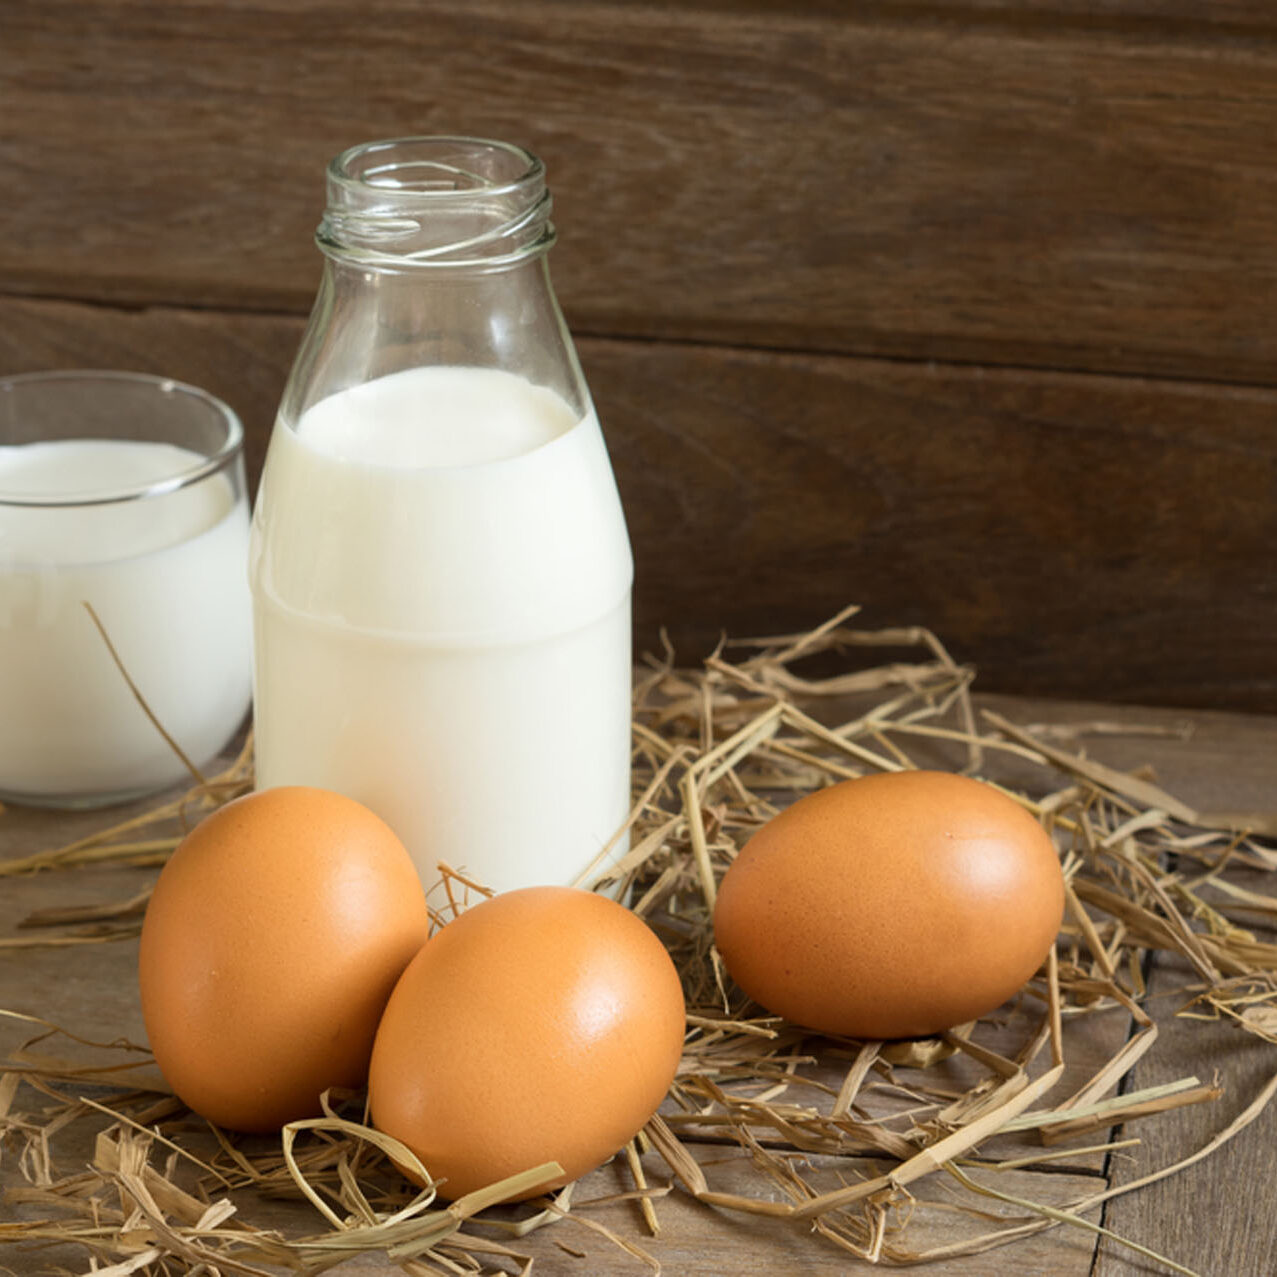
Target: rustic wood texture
x=959 y=308
x=1211 y=1218
x=1169 y=17
x=930 y=494
x=1069 y=535
x=905 y=182
x=1205 y=1216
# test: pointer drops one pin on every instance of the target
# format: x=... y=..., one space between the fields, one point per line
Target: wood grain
x=1098 y=527
x=906 y=181
x=1179 y=17
x=1071 y=535
x=1213 y=762
x=1202 y=1216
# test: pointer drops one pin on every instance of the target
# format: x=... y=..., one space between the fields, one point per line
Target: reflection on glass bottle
x=440 y=567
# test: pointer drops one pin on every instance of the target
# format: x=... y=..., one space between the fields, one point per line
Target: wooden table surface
x=1213 y=1217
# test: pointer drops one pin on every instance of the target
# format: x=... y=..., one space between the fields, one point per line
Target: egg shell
x=891 y=906
x=271 y=943
x=543 y=1024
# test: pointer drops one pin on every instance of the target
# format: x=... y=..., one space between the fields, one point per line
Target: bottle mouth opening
x=436 y=201
x=437 y=169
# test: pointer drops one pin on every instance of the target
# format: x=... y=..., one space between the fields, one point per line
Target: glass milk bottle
x=440 y=567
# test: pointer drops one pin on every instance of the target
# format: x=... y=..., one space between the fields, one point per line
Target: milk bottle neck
x=436 y=203
x=435 y=254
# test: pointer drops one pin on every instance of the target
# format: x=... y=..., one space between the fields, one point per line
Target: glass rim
x=389 y=201
x=225 y=455
x=340 y=172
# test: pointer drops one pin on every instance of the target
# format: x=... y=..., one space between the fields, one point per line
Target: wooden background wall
x=963 y=310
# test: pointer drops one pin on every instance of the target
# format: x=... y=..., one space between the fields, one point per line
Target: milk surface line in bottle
x=440 y=568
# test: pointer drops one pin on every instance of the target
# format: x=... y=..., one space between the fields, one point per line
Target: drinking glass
x=125 y=620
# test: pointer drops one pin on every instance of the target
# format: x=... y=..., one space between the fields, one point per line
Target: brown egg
x=891 y=906
x=544 y=1024
x=275 y=934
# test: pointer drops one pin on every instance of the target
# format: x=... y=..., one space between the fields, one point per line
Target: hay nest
x=833 y=1135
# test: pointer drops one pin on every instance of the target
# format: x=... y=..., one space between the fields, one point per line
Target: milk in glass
x=166 y=575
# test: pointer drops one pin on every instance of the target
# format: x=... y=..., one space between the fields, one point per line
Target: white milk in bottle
x=440 y=567
x=441 y=579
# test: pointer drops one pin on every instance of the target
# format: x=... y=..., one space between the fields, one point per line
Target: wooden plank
x=1066 y=534
x=1072 y=535
x=1181 y=17
x=1207 y=1216
x=898 y=182
x=1200 y=1217
x=700 y=1242
x=1212 y=762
